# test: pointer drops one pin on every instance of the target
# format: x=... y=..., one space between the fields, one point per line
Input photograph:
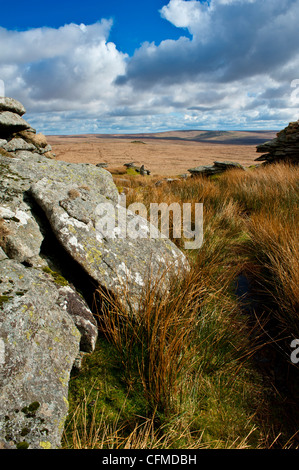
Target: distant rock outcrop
x=51 y=248
x=138 y=169
x=284 y=148
x=215 y=169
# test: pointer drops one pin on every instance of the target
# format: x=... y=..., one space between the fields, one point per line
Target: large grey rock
x=31 y=167
x=45 y=325
x=228 y=165
x=205 y=170
x=22 y=238
x=118 y=264
x=39 y=343
x=10 y=104
x=11 y=123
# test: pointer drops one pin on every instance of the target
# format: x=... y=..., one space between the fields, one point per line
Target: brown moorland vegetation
x=166 y=154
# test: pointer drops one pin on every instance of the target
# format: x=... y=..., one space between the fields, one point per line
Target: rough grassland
x=207 y=365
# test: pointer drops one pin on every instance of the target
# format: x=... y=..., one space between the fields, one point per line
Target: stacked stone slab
x=284 y=148
x=16 y=134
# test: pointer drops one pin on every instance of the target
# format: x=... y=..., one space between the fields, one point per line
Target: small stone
x=102 y=165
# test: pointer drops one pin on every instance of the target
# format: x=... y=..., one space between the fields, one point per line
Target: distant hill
x=206 y=136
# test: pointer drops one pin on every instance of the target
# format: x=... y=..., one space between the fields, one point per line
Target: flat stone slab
x=10 y=104
x=11 y=122
x=18 y=144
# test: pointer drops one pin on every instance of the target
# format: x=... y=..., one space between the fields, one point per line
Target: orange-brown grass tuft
x=4 y=231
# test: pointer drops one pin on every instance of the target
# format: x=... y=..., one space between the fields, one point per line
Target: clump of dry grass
x=156 y=339
x=73 y=193
x=274 y=248
x=91 y=432
x=94 y=433
x=4 y=231
x=186 y=352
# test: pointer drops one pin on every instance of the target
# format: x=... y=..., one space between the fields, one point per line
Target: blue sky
x=126 y=66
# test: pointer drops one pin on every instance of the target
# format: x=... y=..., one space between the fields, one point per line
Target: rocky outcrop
x=138 y=169
x=284 y=148
x=215 y=169
x=53 y=246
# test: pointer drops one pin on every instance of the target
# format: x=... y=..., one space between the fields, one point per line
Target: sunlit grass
x=182 y=373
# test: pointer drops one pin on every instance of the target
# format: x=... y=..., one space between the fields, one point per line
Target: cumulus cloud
x=239 y=48
x=231 y=39
x=232 y=67
x=57 y=69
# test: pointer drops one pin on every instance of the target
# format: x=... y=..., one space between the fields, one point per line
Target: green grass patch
x=58 y=278
x=132 y=172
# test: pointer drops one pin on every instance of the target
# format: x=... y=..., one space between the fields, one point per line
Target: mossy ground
x=58 y=278
x=99 y=394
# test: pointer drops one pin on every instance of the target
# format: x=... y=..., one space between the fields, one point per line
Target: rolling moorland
x=207 y=366
x=167 y=153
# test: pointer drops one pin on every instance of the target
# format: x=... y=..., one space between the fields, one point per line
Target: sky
x=149 y=66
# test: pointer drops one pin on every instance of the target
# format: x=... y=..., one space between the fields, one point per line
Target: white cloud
x=192 y=15
x=238 y=49
x=56 y=69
